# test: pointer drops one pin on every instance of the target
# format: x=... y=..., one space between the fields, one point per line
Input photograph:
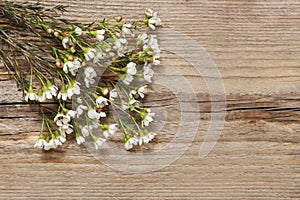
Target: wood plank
x=255 y=45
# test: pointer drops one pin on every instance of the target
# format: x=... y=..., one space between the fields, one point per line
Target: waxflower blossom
x=113 y=94
x=109 y=129
x=90 y=74
x=147 y=138
x=147 y=117
x=53 y=89
x=153 y=20
x=130 y=142
x=128 y=79
x=126 y=29
x=99 y=34
x=79 y=139
x=140 y=92
x=99 y=142
x=40 y=143
x=63 y=93
x=89 y=54
x=101 y=102
x=148 y=73
x=30 y=95
x=93 y=114
x=131 y=68
x=61 y=119
x=85 y=130
x=72 y=66
x=65 y=129
x=78 y=31
x=40 y=95
x=65 y=42
x=47 y=93
x=80 y=109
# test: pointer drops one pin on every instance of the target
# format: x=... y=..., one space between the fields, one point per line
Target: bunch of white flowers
x=64 y=69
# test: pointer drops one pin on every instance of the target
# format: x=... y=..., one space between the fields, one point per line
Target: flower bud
x=70 y=57
x=56 y=34
x=49 y=30
x=73 y=49
x=119 y=18
x=58 y=64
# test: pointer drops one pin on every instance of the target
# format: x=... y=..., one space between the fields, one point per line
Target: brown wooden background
x=256 y=46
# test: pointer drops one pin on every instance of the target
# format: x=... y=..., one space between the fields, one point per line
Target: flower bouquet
x=80 y=75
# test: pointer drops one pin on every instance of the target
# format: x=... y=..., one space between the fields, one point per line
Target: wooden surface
x=256 y=46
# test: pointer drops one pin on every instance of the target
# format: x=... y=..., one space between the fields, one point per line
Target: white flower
x=104 y=91
x=154 y=20
x=67 y=65
x=113 y=94
x=90 y=54
x=153 y=44
x=93 y=114
x=120 y=43
x=85 y=131
x=56 y=142
x=73 y=88
x=70 y=93
x=100 y=34
x=128 y=79
x=41 y=97
x=98 y=57
x=53 y=89
x=140 y=91
x=47 y=93
x=78 y=31
x=133 y=102
x=131 y=68
x=155 y=59
x=65 y=42
x=147 y=118
x=40 y=143
x=80 y=109
x=149 y=12
x=79 y=100
x=71 y=113
x=110 y=130
x=90 y=74
x=46 y=146
x=72 y=66
x=101 y=102
x=61 y=139
x=126 y=29
x=50 y=145
x=62 y=94
x=148 y=73
x=80 y=139
x=76 y=87
x=142 y=39
x=61 y=119
x=65 y=129
x=124 y=106
x=30 y=95
x=130 y=142
x=147 y=138
x=128 y=145
x=99 y=142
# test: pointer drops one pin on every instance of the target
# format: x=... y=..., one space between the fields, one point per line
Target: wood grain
x=256 y=46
